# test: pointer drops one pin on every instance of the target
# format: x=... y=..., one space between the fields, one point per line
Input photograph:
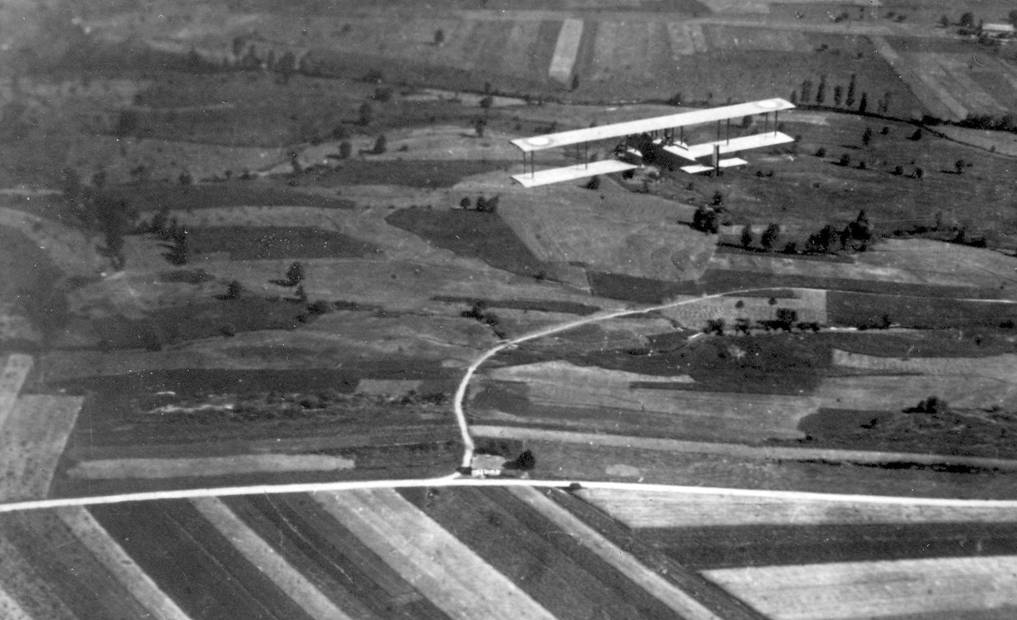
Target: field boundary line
x=456 y=481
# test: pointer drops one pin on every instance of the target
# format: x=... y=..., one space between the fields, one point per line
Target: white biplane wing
x=669 y=126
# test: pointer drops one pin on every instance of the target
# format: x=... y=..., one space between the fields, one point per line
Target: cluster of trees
x=1005 y=122
x=482 y=204
x=173 y=234
x=479 y=312
x=768 y=239
x=839 y=97
x=855 y=235
x=96 y=210
x=785 y=319
x=708 y=219
x=932 y=404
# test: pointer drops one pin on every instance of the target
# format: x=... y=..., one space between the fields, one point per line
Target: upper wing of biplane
x=668 y=127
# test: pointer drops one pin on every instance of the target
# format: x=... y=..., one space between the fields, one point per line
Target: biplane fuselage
x=663 y=135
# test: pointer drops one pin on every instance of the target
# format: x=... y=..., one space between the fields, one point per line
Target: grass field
x=480 y=235
x=259 y=243
x=868 y=310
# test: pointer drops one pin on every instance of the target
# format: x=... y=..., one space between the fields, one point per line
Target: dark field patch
x=870 y=310
x=411 y=173
x=156 y=196
x=204 y=320
x=720 y=280
x=256 y=242
x=186 y=276
x=469 y=233
x=927 y=343
x=705 y=548
x=961 y=433
x=194 y=564
x=194 y=381
x=540 y=305
x=649 y=291
x=776 y=364
x=633 y=288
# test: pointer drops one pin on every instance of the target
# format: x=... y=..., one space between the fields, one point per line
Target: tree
x=838 y=94
x=863 y=105
x=849 y=100
x=233 y=290
x=594 y=183
x=486 y=102
x=746 y=236
x=295 y=274
x=718 y=199
x=439 y=37
x=845 y=160
x=917 y=135
x=478 y=126
x=867 y=136
x=958 y=166
x=967 y=20
x=944 y=21
x=465 y=202
x=821 y=90
x=898 y=170
x=178 y=249
x=575 y=82
x=770 y=236
x=1012 y=16
x=345 y=149
x=918 y=173
x=806 y=91
x=380 y=145
x=366 y=114
x=821 y=152
x=524 y=462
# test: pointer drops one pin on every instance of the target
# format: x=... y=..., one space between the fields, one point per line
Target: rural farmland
x=288 y=330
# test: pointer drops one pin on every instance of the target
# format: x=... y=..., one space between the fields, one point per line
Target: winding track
x=456 y=480
x=460 y=396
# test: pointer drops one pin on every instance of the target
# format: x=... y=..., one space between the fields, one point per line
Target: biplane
x=656 y=138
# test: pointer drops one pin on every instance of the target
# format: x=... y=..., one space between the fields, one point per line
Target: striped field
x=516 y=552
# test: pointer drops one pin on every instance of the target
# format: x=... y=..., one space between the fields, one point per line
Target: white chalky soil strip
x=874 y=589
x=111 y=555
x=652 y=509
x=13 y=377
x=672 y=596
x=32 y=439
x=268 y=560
x=446 y=571
x=566 y=50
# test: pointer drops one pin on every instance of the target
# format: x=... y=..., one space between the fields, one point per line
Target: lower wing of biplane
x=665 y=134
